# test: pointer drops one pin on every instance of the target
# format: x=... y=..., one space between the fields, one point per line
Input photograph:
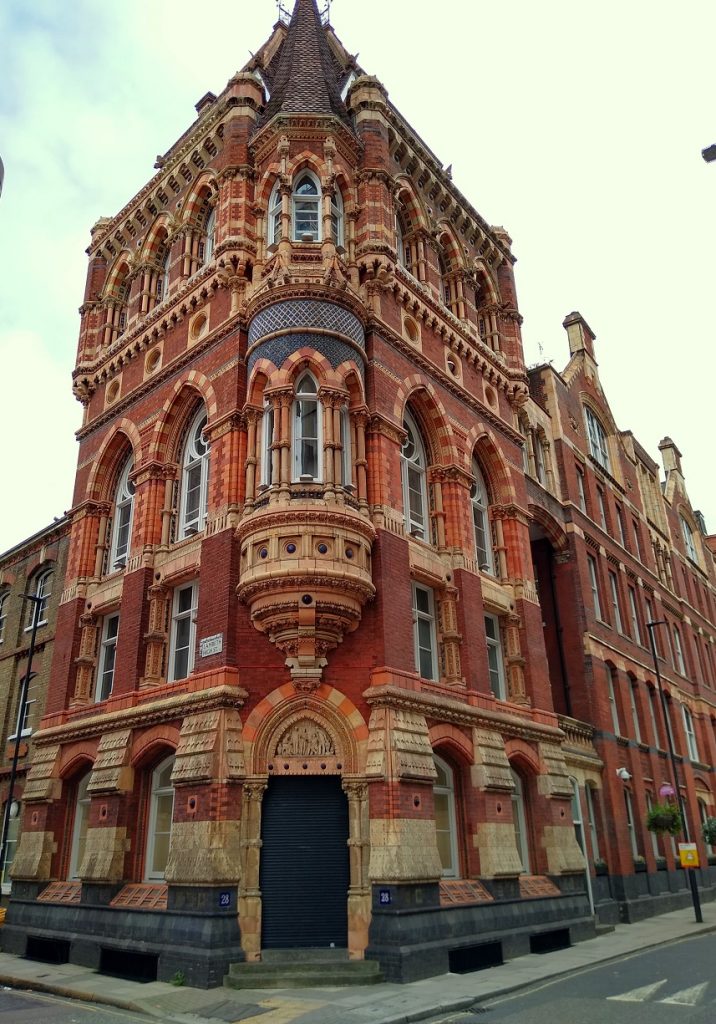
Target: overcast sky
x=578 y=126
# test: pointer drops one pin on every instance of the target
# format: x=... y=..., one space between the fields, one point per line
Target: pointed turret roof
x=304 y=77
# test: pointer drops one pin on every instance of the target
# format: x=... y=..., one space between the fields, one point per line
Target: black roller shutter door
x=304 y=873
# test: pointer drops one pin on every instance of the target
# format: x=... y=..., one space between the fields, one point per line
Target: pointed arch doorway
x=305 y=873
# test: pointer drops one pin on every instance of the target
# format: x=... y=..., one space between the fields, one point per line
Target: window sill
x=28 y=629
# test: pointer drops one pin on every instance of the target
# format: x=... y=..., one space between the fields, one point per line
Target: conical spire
x=305 y=80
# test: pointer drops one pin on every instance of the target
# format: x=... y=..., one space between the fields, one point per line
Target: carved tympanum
x=305 y=739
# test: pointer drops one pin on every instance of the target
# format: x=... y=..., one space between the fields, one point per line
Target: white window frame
x=482 y=531
x=613 y=706
x=620 y=525
x=346 y=454
x=654 y=838
x=689 y=543
x=178 y=617
x=495 y=657
x=13 y=836
x=156 y=793
x=690 y=732
x=592 y=567
x=302 y=398
x=616 y=610
x=413 y=468
x=312 y=199
x=4 y=599
x=42 y=588
x=267 y=427
x=592 y=821
x=597 y=439
x=446 y=791
x=337 y=219
x=519 y=819
x=22 y=727
x=275 y=211
x=209 y=236
x=601 y=501
x=122 y=519
x=636 y=628
x=581 y=493
x=107 y=658
x=427 y=617
x=679 y=663
x=195 y=464
x=631 y=825
x=80 y=822
x=634 y=710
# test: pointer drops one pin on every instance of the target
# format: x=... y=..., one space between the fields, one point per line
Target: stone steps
x=303 y=968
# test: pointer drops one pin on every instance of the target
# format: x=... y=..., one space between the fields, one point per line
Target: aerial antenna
x=283 y=14
x=326 y=13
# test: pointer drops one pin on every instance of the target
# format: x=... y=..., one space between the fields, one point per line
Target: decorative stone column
x=356 y=791
x=250 y=893
x=156 y=636
x=86 y=661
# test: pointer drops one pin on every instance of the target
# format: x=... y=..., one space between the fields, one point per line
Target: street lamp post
x=36 y=605
x=672 y=756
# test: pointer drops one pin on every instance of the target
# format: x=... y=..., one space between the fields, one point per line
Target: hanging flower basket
x=664 y=818
x=708 y=831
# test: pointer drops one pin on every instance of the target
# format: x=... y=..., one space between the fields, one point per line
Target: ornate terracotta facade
x=301 y=550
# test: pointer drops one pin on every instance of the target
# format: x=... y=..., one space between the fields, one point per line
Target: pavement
x=375 y=1004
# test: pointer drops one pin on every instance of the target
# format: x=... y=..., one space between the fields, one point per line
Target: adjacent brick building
x=327 y=668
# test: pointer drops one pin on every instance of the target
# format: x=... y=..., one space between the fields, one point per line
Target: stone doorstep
x=305 y=969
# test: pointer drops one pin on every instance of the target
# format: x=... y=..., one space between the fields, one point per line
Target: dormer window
x=306 y=209
x=597 y=438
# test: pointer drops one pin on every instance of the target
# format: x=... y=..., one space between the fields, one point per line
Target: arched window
x=161 y=271
x=480 y=521
x=444 y=283
x=267 y=427
x=445 y=819
x=337 y=216
x=704 y=815
x=79 y=828
x=4 y=604
x=402 y=249
x=519 y=818
x=597 y=438
x=306 y=203
x=206 y=245
x=195 y=476
x=122 y=523
x=274 y=216
x=415 y=492
x=161 y=809
x=306 y=430
x=13 y=835
x=41 y=589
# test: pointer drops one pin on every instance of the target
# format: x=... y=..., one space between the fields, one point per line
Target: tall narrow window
x=183 y=633
x=577 y=818
x=691 y=745
x=634 y=711
x=495 y=662
x=611 y=693
x=413 y=464
x=581 y=495
x=122 y=525
x=620 y=526
x=41 y=589
x=689 y=543
x=445 y=824
x=631 y=828
x=637 y=540
x=654 y=837
x=107 y=657
x=592 y=566
x=519 y=819
x=592 y=819
x=614 y=592
x=602 y=510
x=703 y=816
x=678 y=652
x=346 y=461
x=402 y=248
x=424 y=632
x=480 y=521
x=633 y=612
x=195 y=478
x=306 y=430
x=267 y=425
x=597 y=439
x=444 y=281
x=13 y=834
x=337 y=217
x=4 y=602
x=79 y=828
x=653 y=715
x=161 y=808
x=274 y=216
x=306 y=210
x=162 y=277
x=206 y=245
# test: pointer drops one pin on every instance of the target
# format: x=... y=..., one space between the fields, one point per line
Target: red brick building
x=305 y=691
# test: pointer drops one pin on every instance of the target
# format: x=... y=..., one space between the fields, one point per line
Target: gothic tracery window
x=122 y=521
x=413 y=465
x=195 y=477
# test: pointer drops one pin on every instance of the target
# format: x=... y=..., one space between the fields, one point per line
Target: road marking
x=639 y=995
x=687 y=996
